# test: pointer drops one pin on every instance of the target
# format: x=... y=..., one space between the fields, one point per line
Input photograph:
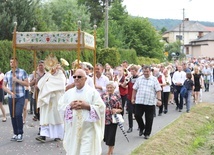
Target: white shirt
x=102 y=81
x=90 y=81
x=179 y=77
x=1 y=76
x=207 y=71
x=168 y=80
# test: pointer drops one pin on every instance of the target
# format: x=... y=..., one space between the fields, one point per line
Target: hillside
x=170 y=23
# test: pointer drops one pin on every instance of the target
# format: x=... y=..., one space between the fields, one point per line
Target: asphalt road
x=30 y=146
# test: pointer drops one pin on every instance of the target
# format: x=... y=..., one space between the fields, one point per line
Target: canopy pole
x=13 y=69
x=95 y=58
x=78 y=43
x=34 y=75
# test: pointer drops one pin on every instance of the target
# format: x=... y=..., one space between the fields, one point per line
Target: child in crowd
x=188 y=83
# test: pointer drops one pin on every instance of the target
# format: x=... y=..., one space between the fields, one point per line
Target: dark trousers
x=161 y=107
x=124 y=99
x=140 y=109
x=206 y=85
x=17 y=120
x=36 y=110
x=176 y=94
x=31 y=102
x=131 y=109
x=165 y=100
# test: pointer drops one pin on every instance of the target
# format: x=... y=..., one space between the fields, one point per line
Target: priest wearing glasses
x=83 y=112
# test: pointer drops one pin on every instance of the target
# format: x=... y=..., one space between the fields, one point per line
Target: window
x=187 y=50
x=179 y=37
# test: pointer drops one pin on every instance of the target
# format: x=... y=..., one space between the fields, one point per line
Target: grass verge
x=188 y=135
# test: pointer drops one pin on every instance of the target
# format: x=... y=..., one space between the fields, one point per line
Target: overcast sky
x=199 y=10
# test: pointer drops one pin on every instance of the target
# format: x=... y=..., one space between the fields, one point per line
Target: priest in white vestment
x=83 y=112
x=51 y=88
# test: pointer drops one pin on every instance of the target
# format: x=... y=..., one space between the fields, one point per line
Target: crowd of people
x=72 y=107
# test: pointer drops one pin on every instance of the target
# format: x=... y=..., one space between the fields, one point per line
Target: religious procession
x=87 y=106
x=73 y=108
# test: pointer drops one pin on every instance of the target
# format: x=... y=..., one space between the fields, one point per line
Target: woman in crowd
x=171 y=95
x=108 y=68
x=113 y=105
x=2 y=98
x=113 y=78
x=198 y=83
x=166 y=90
x=123 y=89
x=109 y=75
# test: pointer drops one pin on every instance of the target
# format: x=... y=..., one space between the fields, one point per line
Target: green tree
x=44 y=20
x=118 y=12
x=174 y=48
x=142 y=36
x=163 y=30
x=20 y=11
x=66 y=13
x=116 y=35
x=95 y=8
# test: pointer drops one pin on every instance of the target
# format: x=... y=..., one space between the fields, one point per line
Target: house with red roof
x=190 y=33
x=202 y=46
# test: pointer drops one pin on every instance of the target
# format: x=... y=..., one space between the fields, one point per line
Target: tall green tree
x=142 y=36
x=95 y=8
x=66 y=13
x=44 y=20
x=116 y=35
x=117 y=12
x=20 y=11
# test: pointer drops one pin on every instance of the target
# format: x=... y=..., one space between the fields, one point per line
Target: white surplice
x=51 y=87
x=83 y=135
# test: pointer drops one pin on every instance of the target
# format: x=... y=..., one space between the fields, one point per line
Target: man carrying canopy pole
x=19 y=78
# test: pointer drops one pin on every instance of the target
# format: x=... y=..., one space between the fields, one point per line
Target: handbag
x=117 y=116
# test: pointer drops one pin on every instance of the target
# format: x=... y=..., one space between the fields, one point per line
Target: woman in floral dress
x=113 y=105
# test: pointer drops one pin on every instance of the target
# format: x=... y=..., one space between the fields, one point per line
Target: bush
x=129 y=55
x=108 y=55
x=147 y=61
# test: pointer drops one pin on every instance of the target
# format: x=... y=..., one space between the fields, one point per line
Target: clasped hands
x=78 y=104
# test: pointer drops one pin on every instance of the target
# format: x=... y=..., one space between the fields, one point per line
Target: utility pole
x=106 y=25
x=183 y=29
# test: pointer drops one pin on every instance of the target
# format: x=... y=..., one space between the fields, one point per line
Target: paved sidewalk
x=122 y=147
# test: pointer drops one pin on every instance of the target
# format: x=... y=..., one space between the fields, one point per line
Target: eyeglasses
x=79 y=77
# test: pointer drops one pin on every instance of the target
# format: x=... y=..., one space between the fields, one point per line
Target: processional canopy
x=54 y=40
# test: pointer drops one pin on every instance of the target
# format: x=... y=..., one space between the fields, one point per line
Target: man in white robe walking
x=51 y=88
x=83 y=111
